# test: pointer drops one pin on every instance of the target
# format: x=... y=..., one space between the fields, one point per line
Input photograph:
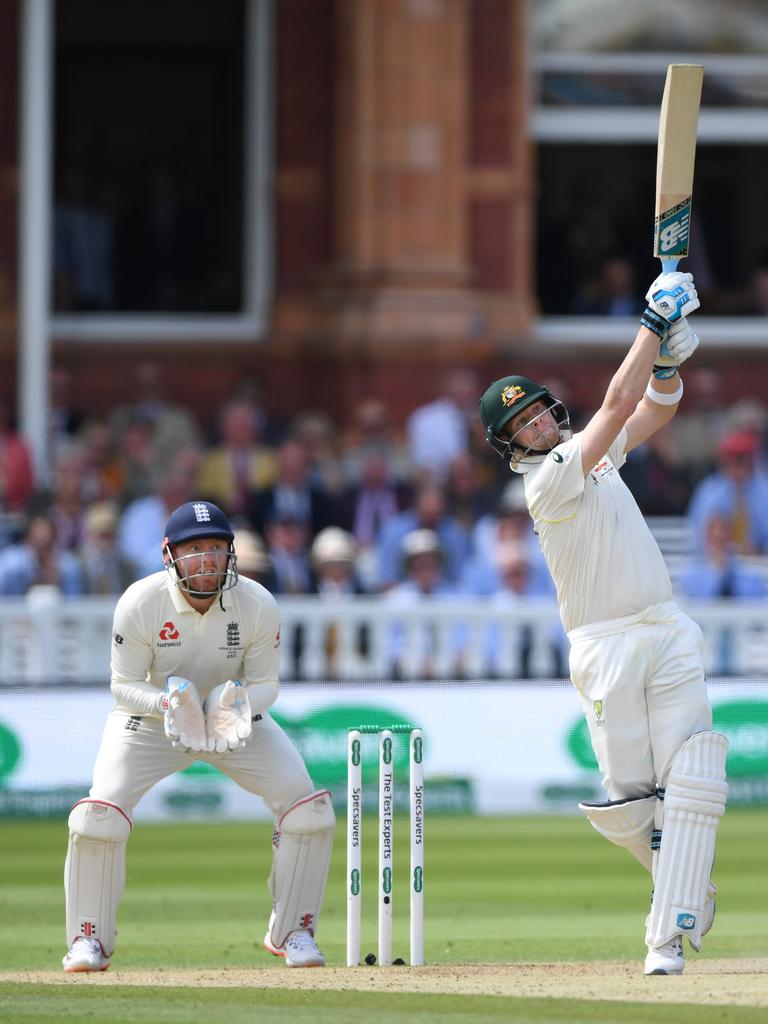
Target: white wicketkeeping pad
x=302 y=857
x=693 y=805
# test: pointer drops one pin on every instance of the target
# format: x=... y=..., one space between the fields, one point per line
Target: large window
x=599 y=68
x=160 y=152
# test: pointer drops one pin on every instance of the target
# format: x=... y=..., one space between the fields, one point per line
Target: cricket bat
x=674 y=163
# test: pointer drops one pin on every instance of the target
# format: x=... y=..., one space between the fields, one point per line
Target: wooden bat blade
x=676 y=154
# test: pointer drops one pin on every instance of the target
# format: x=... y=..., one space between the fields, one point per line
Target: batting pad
x=694 y=802
x=303 y=841
x=94 y=871
x=626 y=823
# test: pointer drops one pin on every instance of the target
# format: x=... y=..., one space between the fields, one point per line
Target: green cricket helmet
x=508 y=397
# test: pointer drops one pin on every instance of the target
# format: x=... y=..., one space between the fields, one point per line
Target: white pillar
x=35 y=234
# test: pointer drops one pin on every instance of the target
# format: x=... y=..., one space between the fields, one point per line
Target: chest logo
x=233 y=634
x=169 y=632
x=601 y=469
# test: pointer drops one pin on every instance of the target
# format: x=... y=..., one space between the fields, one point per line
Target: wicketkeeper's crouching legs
x=94 y=879
x=302 y=842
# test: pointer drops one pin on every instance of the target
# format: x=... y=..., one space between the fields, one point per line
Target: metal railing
x=48 y=640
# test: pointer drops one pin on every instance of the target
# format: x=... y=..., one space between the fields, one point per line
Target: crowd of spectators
x=373 y=507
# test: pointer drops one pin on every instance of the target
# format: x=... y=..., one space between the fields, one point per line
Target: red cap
x=740 y=442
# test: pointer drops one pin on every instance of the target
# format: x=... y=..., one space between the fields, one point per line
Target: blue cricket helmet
x=197 y=519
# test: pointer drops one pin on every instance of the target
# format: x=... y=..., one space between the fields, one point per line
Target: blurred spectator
x=701 y=422
x=430 y=513
x=137 y=457
x=440 y=430
x=365 y=508
x=659 y=484
x=315 y=432
x=253 y=562
x=720 y=574
x=292 y=495
x=104 y=474
x=719 y=571
x=66 y=418
x=333 y=558
x=334 y=575
x=373 y=435
x=39 y=561
x=467 y=500
x=172 y=426
x=414 y=646
x=757 y=297
x=739 y=492
x=104 y=569
x=613 y=292
x=140 y=531
x=16 y=472
x=509 y=523
x=253 y=390
x=518 y=583
x=287 y=542
x=64 y=504
x=239 y=464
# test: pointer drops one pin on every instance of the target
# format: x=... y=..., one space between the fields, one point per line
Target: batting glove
x=670 y=297
x=227 y=716
x=183 y=718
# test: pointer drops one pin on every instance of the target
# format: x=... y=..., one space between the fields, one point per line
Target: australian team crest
x=598 y=706
x=511 y=394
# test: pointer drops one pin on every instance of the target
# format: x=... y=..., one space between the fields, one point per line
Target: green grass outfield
x=497 y=891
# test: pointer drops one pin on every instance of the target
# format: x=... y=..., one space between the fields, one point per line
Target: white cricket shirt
x=603 y=558
x=157 y=633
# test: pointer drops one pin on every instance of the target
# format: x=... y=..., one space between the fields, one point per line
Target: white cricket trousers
x=643 y=692
x=135 y=754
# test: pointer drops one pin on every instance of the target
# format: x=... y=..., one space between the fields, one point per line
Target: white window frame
x=258 y=228
x=617 y=125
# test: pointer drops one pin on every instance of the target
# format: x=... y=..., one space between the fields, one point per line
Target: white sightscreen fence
x=489 y=747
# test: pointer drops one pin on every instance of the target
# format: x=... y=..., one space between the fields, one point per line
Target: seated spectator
x=104 y=569
x=287 y=542
x=239 y=464
x=429 y=513
x=333 y=556
x=65 y=503
x=66 y=419
x=172 y=426
x=16 y=472
x=510 y=523
x=659 y=483
x=367 y=506
x=700 y=423
x=38 y=561
x=141 y=526
x=104 y=474
x=137 y=457
x=439 y=430
x=513 y=644
x=467 y=499
x=718 y=574
x=315 y=432
x=373 y=434
x=292 y=495
x=738 y=491
x=414 y=648
x=253 y=562
x=613 y=292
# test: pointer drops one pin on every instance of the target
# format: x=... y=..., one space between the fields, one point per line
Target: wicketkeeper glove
x=677 y=345
x=183 y=715
x=670 y=297
x=228 y=716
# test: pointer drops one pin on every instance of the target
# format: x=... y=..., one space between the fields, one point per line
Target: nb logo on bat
x=673 y=229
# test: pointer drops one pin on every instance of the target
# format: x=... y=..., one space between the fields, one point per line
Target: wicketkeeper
x=636 y=659
x=195 y=656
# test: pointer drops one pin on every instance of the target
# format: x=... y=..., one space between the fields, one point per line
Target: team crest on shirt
x=598 y=706
x=511 y=394
x=233 y=646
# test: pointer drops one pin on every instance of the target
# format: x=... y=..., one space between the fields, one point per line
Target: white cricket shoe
x=299 y=950
x=85 y=955
x=666 y=959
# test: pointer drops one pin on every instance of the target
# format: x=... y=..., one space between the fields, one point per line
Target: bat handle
x=669 y=264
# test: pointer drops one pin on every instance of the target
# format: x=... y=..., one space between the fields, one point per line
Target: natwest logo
x=169 y=632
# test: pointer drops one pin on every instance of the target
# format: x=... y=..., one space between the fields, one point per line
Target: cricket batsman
x=635 y=659
x=195 y=654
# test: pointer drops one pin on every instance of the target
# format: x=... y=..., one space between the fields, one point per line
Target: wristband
x=651 y=319
x=665 y=397
x=664 y=372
